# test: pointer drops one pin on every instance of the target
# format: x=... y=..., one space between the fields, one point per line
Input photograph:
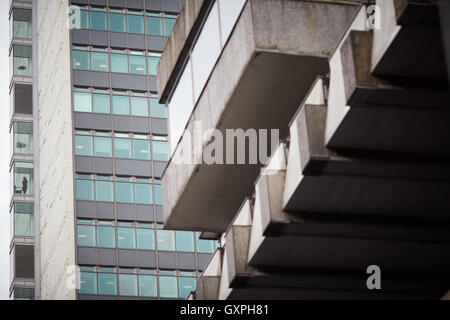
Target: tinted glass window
x=121 y=105
x=81 y=60
x=107 y=284
x=106 y=237
x=137 y=65
x=124 y=192
x=154 y=26
x=98 y=20
x=104 y=191
x=82 y=102
x=185 y=241
x=119 y=63
x=168 y=287
x=101 y=103
x=144 y=193
x=135 y=24
x=86 y=236
x=102 y=147
x=88 y=283
x=139 y=106
x=117 y=22
x=83 y=145
x=85 y=190
x=146 y=239
x=128 y=285
x=100 y=61
x=126 y=238
x=147 y=286
x=122 y=148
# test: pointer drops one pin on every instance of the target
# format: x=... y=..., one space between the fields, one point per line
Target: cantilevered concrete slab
x=274 y=54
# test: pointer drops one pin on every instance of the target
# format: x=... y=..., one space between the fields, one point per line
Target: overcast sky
x=4 y=147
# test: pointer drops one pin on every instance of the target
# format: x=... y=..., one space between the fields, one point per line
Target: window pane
x=86 y=236
x=107 y=284
x=121 y=105
x=139 y=106
x=85 y=190
x=168 y=26
x=119 y=63
x=160 y=151
x=88 y=282
x=103 y=147
x=23 y=219
x=128 y=285
x=104 y=191
x=82 y=102
x=158 y=194
x=152 y=65
x=100 y=61
x=117 y=22
x=166 y=240
x=23 y=178
x=22 y=60
x=154 y=26
x=106 y=237
x=205 y=246
x=146 y=239
x=98 y=20
x=124 y=192
x=158 y=110
x=186 y=285
x=84 y=23
x=126 y=238
x=137 y=65
x=83 y=145
x=81 y=60
x=144 y=193
x=185 y=241
x=122 y=148
x=22 y=23
x=135 y=23
x=23 y=293
x=101 y=103
x=141 y=149
x=23 y=137
x=147 y=286
x=168 y=287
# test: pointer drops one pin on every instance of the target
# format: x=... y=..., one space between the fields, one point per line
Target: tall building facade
x=353 y=202
x=90 y=144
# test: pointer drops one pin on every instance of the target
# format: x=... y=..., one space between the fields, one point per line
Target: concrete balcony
x=273 y=56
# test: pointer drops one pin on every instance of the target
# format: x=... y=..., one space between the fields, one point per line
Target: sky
x=5 y=154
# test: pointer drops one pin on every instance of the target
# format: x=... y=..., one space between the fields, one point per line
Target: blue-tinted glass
x=158 y=194
x=98 y=20
x=147 y=286
x=141 y=149
x=117 y=22
x=119 y=63
x=152 y=66
x=124 y=192
x=83 y=145
x=86 y=236
x=88 y=283
x=168 y=287
x=168 y=26
x=107 y=284
x=154 y=26
x=166 y=240
x=185 y=241
x=101 y=103
x=139 y=106
x=81 y=60
x=102 y=147
x=137 y=64
x=121 y=105
x=106 y=237
x=186 y=285
x=100 y=61
x=205 y=246
x=82 y=102
x=84 y=23
x=157 y=110
x=146 y=239
x=104 y=191
x=126 y=238
x=135 y=24
x=144 y=193
x=160 y=150
x=128 y=285
x=85 y=190
x=122 y=148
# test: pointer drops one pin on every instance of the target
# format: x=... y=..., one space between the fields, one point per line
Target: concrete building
x=358 y=184
x=89 y=149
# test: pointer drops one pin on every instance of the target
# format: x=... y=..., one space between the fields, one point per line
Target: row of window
x=119 y=103
x=121 y=61
x=159 y=24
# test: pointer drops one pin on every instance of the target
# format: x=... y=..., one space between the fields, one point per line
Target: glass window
x=107 y=284
x=22 y=23
x=81 y=60
x=106 y=237
x=22 y=60
x=82 y=102
x=23 y=178
x=101 y=103
x=119 y=63
x=141 y=149
x=185 y=241
x=137 y=64
x=205 y=246
x=139 y=106
x=128 y=285
x=152 y=65
x=121 y=105
x=135 y=24
x=88 y=283
x=117 y=22
x=23 y=294
x=126 y=238
x=104 y=191
x=157 y=110
x=98 y=20
x=186 y=285
x=124 y=192
x=147 y=286
x=154 y=26
x=85 y=190
x=168 y=287
x=144 y=193
x=166 y=240
x=158 y=194
x=86 y=236
x=145 y=239
x=23 y=137
x=168 y=26
x=122 y=148
x=23 y=219
x=102 y=147
x=100 y=61
x=83 y=145
x=84 y=23
x=160 y=151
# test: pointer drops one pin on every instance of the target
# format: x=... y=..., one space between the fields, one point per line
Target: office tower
x=354 y=201
x=90 y=147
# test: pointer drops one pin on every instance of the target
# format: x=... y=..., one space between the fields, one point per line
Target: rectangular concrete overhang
x=274 y=54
